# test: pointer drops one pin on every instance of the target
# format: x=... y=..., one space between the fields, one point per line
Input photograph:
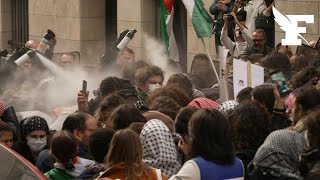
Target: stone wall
x=5 y=24
x=78 y=24
x=139 y=15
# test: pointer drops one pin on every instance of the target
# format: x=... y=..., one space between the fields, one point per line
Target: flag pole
x=214 y=68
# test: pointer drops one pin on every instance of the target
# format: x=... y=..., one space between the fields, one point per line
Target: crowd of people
x=141 y=124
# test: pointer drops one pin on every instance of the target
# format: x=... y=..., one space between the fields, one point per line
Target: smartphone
x=84 y=86
x=284 y=89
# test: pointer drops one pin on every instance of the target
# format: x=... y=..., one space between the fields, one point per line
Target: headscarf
x=280 y=153
x=228 y=105
x=33 y=123
x=149 y=115
x=159 y=150
x=204 y=103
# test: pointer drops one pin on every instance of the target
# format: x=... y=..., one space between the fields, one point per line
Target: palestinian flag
x=201 y=20
x=166 y=30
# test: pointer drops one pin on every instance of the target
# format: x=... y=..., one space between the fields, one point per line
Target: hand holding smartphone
x=282 y=85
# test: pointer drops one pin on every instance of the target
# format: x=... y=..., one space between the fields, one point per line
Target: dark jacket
x=45 y=161
x=23 y=149
x=250 y=50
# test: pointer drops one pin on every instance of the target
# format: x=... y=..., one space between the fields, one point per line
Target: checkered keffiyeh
x=280 y=152
x=159 y=150
x=204 y=103
x=1 y=106
x=228 y=105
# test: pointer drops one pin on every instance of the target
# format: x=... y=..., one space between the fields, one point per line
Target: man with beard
x=259 y=44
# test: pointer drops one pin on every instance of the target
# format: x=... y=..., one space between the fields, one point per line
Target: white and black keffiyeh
x=159 y=150
x=228 y=105
x=280 y=153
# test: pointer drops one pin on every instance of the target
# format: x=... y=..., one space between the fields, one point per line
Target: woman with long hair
x=124 y=159
x=212 y=152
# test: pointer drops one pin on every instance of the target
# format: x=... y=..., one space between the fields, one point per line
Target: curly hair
x=144 y=73
x=249 y=122
x=176 y=93
x=304 y=76
x=165 y=105
x=182 y=81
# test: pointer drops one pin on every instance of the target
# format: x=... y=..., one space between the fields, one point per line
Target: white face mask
x=36 y=145
x=153 y=87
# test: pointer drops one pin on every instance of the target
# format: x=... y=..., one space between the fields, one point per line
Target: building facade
x=89 y=26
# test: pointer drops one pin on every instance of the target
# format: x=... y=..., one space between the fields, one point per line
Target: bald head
x=312 y=43
x=32 y=44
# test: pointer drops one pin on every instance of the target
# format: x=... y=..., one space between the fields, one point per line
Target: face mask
x=36 y=145
x=153 y=87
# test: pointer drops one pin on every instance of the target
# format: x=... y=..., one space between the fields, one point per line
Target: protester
x=184 y=82
x=64 y=149
x=6 y=134
x=123 y=116
x=218 y=8
x=125 y=56
x=107 y=106
x=124 y=159
x=242 y=37
x=34 y=131
x=165 y=105
x=306 y=101
x=202 y=67
x=150 y=115
x=211 y=149
x=148 y=79
x=99 y=142
x=259 y=43
x=179 y=95
x=181 y=127
x=309 y=164
x=109 y=85
x=278 y=157
x=244 y=95
x=249 y=123
x=81 y=126
x=130 y=70
x=277 y=61
x=158 y=146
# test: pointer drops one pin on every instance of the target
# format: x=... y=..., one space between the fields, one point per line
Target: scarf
x=280 y=153
x=204 y=103
x=228 y=105
x=159 y=150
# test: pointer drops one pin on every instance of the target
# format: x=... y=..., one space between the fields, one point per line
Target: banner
x=245 y=75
